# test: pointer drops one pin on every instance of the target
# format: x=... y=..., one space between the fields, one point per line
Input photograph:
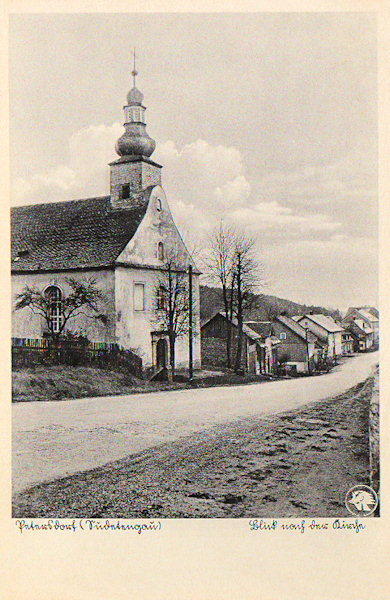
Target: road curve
x=53 y=439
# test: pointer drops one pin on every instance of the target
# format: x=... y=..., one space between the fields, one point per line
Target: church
x=122 y=241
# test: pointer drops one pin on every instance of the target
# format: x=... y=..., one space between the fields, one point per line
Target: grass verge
x=53 y=383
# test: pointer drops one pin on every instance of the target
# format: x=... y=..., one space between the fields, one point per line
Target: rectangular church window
x=139 y=296
x=125 y=191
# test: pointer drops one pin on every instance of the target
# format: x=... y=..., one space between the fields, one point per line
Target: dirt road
x=299 y=463
x=53 y=439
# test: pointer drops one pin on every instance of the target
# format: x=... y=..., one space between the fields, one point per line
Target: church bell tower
x=133 y=172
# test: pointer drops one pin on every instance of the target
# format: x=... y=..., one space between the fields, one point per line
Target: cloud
x=203 y=182
x=281 y=223
x=204 y=175
x=233 y=192
x=86 y=173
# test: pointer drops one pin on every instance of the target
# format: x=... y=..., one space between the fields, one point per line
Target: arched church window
x=161 y=293
x=54 y=297
x=160 y=251
x=158 y=204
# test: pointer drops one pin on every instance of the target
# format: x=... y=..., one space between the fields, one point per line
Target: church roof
x=70 y=235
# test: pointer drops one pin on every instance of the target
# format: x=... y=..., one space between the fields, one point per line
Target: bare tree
x=172 y=303
x=57 y=311
x=247 y=273
x=232 y=262
x=219 y=267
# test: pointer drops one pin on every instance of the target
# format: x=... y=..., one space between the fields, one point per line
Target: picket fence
x=30 y=352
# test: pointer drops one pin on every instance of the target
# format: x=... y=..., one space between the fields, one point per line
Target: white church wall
x=27 y=325
x=156 y=226
x=134 y=327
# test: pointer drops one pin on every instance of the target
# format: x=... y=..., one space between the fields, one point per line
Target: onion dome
x=135 y=142
x=135 y=97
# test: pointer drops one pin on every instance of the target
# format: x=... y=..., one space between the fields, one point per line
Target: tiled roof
x=247 y=328
x=263 y=328
x=326 y=322
x=296 y=328
x=366 y=314
x=67 y=235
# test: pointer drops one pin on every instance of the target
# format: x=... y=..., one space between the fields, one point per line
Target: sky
x=268 y=120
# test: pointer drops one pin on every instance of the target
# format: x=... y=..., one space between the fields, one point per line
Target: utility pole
x=307 y=352
x=190 y=350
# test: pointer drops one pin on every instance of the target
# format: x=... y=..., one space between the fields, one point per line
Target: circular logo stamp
x=361 y=500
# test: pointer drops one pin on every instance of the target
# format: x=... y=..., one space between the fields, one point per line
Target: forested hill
x=264 y=307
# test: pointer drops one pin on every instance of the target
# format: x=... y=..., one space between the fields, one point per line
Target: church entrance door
x=162 y=353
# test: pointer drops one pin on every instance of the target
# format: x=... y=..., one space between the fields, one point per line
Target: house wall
x=334 y=339
x=293 y=347
x=27 y=325
x=373 y=324
x=213 y=340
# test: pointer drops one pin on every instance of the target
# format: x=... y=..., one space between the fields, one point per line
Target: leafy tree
x=83 y=299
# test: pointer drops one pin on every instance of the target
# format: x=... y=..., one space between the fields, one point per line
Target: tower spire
x=135 y=141
x=134 y=71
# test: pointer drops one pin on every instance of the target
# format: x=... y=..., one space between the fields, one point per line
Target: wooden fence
x=29 y=352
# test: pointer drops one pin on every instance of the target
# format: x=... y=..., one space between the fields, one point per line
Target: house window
x=158 y=204
x=161 y=292
x=283 y=335
x=160 y=251
x=125 y=191
x=139 y=296
x=54 y=296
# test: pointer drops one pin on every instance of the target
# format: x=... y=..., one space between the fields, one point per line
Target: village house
x=347 y=345
x=362 y=335
x=259 y=349
x=368 y=314
x=121 y=240
x=326 y=330
x=298 y=348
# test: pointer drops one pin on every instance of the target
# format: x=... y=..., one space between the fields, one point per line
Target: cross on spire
x=134 y=71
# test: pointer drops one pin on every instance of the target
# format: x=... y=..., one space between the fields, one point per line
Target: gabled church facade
x=121 y=240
